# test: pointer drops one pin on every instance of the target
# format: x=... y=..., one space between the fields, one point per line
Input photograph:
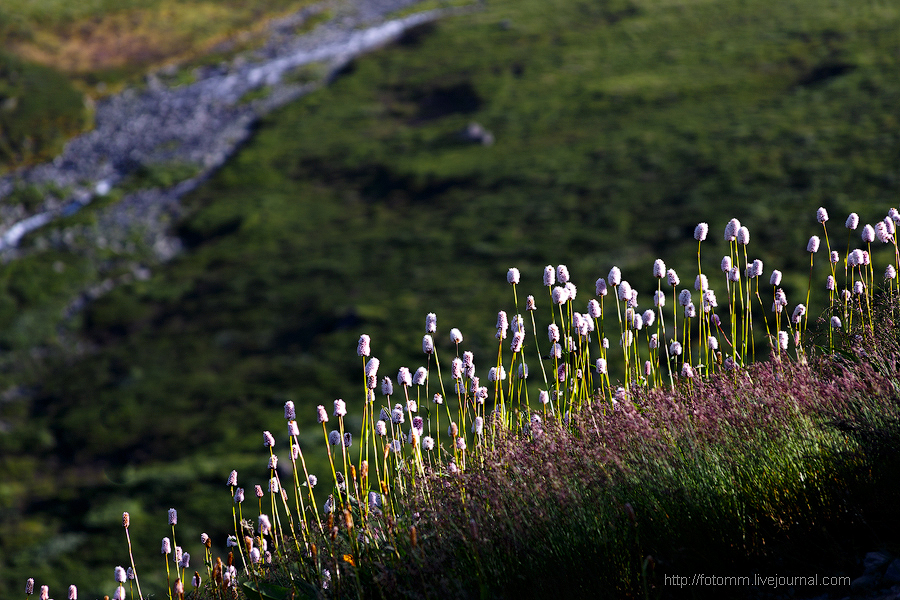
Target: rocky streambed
x=198 y=125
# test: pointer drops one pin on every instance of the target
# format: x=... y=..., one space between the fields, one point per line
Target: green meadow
x=617 y=127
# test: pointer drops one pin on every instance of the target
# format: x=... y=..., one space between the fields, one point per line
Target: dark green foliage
x=39 y=110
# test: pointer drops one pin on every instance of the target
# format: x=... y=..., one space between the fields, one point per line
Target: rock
x=864 y=583
x=892 y=575
x=875 y=561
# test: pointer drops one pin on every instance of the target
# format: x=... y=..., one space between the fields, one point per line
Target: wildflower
x=397 y=417
x=627 y=338
x=684 y=297
x=195 y=581
x=821 y=215
x=512 y=276
x=852 y=221
x=265 y=526
x=734 y=275
x=726 y=264
x=560 y=295
x=659 y=299
x=571 y=290
x=637 y=321
x=404 y=377
x=120 y=592
x=799 y=311
x=239 y=495
x=830 y=283
x=481 y=394
x=858 y=288
x=633 y=299
x=544 y=396
x=322 y=415
x=601 y=287
x=453 y=429
x=523 y=371
x=340 y=408
x=348 y=440
x=295 y=448
x=529 y=303
x=687 y=370
x=549 y=275
x=120 y=575
x=562 y=274
x=363 y=347
x=648 y=368
x=334 y=437
x=709 y=300
x=700 y=232
x=45 y=592
x=430 y=323
x=73 y=592
x=185 y=561
x=412 y=406
x=231 y=542
x=438 y=399
x=479 y=425
x=690 y=311
x=731 y=230
x=553 y=332
x=173 y=516
x=428 y=443
x=889 y=225
x=495 y=375
x=743 y=238
x=594 y=309
x=468 y=359
x=517 y=341
x=890 y=272
x=312 y=480
x=427 y=344
x=259 y=491
x=273 y=461
x=780 y=297
x=659 y=268
x=254 y=555
x=835 y=257
x=166 y=546
x=29 y=586
x=775 y=279
x=654 y=341
x=420 y=376
x=675 y=348
x=672 y=277
x=456 y=336
x=387 y=388
x=713 y=342
x=868 y=234
x=701 y=283
x=836 y=322
x=649 y=317
x=756 y=268
x=460 y=444
x=813 y=245
x=615 y=276
x=624 y=290
x=604 y=343
x=882 y=234
x=783 y=340
x=293 y=429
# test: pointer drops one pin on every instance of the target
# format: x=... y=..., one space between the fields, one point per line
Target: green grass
x=618 y=127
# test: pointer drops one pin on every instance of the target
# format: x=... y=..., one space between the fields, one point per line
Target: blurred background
x=521 y=133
